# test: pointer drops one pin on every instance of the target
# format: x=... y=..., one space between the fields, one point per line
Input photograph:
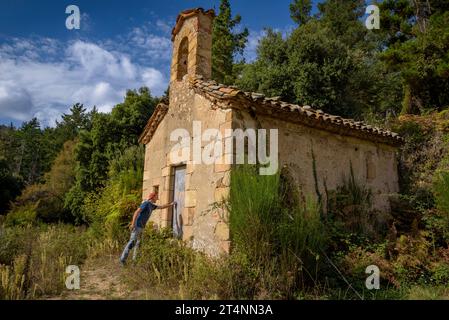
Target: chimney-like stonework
x=192 y=44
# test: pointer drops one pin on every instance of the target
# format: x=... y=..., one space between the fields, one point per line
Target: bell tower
x=192 y=44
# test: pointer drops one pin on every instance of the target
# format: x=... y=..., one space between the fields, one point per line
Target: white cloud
x=164 y=26
x=254 y=37
x=15 y=102
x=154 y=79
x=41 y=78
x=154 y=46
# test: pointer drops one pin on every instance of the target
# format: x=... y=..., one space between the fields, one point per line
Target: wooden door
x=178 y=196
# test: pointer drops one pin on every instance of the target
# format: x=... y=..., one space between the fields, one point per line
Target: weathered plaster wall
x=374 y=165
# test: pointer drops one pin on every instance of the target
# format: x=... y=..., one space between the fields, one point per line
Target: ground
x=102 y=278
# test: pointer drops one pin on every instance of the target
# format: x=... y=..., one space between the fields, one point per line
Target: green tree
x=10 y=186
x=47 y=198
x=396 y=18
x=33 y=158
x=300 y=11
x=269 y=74
x=342 y=20
x=111 y=133
x=226 y=44
x=422 y=61
x=10 y=144
x=72 y=123
x=91 y=152
x=322 y=63
x=109 y=136
x=132 y=115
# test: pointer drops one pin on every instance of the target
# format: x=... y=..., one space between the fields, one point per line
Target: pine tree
x=226 y=44
x=300 y=11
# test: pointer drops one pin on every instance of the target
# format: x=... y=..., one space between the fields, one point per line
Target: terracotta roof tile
x=305 y=114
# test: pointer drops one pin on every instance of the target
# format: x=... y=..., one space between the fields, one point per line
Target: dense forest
x=81 y=179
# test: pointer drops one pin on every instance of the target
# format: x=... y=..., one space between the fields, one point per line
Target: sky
x=45 y=68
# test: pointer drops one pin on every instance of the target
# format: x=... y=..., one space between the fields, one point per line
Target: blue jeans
x=133 y=242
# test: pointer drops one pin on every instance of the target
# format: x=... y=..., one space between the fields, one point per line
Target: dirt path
x=100 y=279
x=104 y=279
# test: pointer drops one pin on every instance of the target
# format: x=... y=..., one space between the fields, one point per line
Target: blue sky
x=45 y=68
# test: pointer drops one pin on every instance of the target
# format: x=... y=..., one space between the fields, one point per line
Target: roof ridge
x=159 y=113
x=225 y=92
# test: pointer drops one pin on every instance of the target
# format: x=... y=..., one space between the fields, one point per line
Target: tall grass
x=33 y=260
x=254 y=211
x=281 y=244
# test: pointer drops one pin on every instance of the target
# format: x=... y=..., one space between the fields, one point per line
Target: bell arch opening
x=183 y=58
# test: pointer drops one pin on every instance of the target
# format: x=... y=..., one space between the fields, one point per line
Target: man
x=140 y=219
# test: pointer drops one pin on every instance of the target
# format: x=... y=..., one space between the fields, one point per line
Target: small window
x=156 y=189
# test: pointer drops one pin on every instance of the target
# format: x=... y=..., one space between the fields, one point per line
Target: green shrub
x=126 y=170
x=57 y=247
x=166 y=264
x=14 y=241
x=255 y=211
x=437 y=224
x=353 y=265
x=441 y=190
x=440 y=273
x=47 y=198
x=110 y=209
x=22 y=215
x=162 y=261
x=437 y=221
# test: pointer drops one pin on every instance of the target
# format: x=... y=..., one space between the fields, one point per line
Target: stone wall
x=198 y=32
x=374 y=165
x=205 y=226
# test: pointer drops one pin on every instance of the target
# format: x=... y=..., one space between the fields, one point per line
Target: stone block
x=188 y=215
x=166 y=172
x=178 y=157
x=168 y=183
x=187 y=233
x=229 y=115
x=157 y=181
x=190 y=167
x=188 y=182
x=190 y=199
x=221 y=194
x=225 y=126
x=221 y=164
x=226 y=181
x=225 y=246
x=222 y=231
